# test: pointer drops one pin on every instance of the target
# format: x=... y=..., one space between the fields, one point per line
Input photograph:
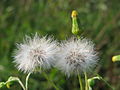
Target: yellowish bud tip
x=113 y=58
x=74 y=13
x=116 y=58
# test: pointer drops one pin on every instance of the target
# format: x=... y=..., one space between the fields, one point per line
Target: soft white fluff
x=76 y=56
x=34 y=53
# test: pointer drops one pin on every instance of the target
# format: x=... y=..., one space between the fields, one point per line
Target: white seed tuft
x=76 y=55
x=35 y=53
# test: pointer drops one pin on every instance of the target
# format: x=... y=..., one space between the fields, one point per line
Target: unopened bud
x=116 y=58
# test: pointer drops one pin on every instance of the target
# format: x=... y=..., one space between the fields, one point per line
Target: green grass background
x=100 y=21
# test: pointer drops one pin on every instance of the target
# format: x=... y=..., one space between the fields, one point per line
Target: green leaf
x=10 y=81
x=2 y=84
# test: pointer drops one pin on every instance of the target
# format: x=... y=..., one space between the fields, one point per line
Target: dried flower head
x=35 y=53
x=77 y=55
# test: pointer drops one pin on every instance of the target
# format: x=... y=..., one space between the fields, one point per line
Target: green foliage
x=100 y=20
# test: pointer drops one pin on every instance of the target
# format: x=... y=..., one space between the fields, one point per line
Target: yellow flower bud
x=74 y=13
x=116 y=58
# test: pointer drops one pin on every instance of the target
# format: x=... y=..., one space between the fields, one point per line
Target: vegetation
x=99 y=19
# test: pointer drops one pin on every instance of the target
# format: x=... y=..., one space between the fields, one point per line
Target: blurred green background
x=100 y=20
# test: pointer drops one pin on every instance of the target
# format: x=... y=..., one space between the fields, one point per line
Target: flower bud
x=75 y=26
x=116 y=58
x=74 y=13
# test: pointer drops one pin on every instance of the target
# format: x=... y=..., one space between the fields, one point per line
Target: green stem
x=80 y=82
x=26 y=84
x=46 y=76
x=106 y=82
x=21 y=84
x=86 y=82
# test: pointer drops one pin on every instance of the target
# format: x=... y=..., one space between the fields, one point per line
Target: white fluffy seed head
x=76 y=55
x=36 y=52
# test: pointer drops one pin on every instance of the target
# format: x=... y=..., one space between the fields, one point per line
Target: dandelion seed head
x=77 y=55
x=36 y=52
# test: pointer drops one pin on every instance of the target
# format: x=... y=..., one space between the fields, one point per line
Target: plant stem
x=86 y=82
x=21 y=84
x=80 y=82
x=26 y=84
x=106 y=82
x=46 y=76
